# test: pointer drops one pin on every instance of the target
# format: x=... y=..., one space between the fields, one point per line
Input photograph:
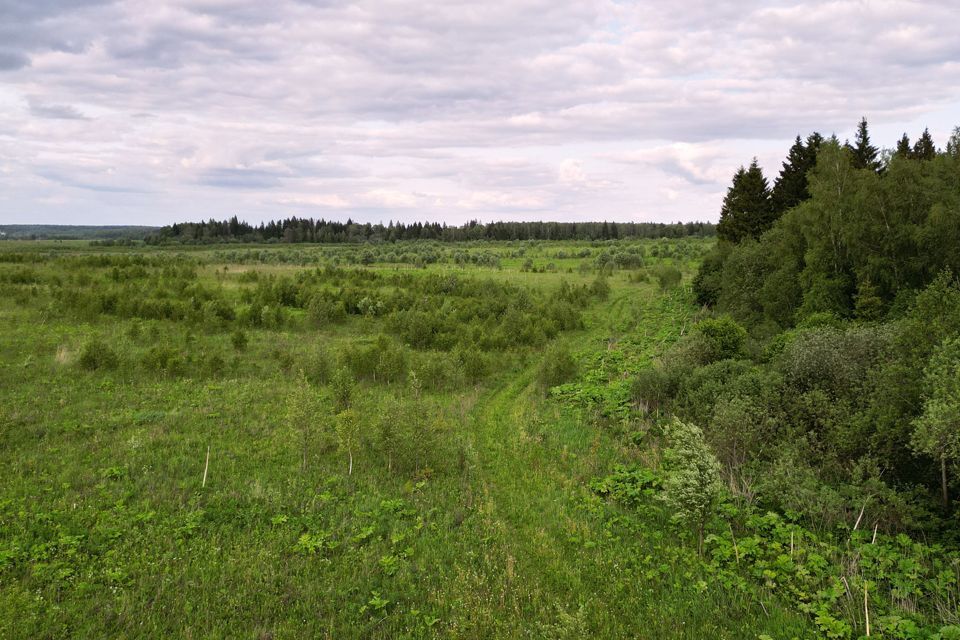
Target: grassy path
x=548 y=565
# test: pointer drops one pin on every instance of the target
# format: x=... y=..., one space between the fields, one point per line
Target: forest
x=622 y=432
x=298 y=230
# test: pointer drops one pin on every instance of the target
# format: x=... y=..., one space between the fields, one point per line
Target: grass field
x=274 y=442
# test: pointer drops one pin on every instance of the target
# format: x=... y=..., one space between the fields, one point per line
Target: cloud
x=446 y=110
x=698 y=164
x=54 y=111
x=239 y=178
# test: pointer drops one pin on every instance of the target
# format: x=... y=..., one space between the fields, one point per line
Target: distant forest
x=73 y=232
x=298 y=230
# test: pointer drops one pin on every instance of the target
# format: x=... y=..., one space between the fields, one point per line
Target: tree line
x=826 y=375
x=307 y=230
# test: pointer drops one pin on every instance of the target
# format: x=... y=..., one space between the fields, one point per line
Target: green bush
x=239 y=340
x=166 y=360
x=439 y=371
x=722 y=338
x=668 y=276
x=318 y=367
x=650 y=388
x=96 y=354
x=558 y=366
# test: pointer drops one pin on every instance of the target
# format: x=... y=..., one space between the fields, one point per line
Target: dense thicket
x=826 y=382
x=295 y=230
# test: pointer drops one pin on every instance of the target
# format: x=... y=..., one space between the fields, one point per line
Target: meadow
x=407 y=440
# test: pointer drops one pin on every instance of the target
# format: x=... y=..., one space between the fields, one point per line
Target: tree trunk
x=350 y=470
x=943 y=483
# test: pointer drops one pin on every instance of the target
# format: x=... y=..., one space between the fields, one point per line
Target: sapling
x=937 y=430
x=692 y=487
x=348 y=434
x=301 y=412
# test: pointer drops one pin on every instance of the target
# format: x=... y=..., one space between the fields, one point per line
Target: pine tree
x=924 y=149
x=864 y=154
x=746 y=210
x=904 y=150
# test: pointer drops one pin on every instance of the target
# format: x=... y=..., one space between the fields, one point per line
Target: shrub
x=474 y=363
x=318 y=367
x=96 y=354
x=722 y=338
x=667 y=276
x=709 y=279
x=832 y=360
x=438 y=371
x=651 y=387
x=600 y=288
x=557 y=367
x=165 y=360
x=239 y=340
x=384 y=361
x=341 y=385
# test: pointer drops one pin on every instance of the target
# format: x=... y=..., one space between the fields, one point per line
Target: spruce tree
x=904 y=150
x=864 y=154
x=746 y=210
x=790 y=188
x=924 y=149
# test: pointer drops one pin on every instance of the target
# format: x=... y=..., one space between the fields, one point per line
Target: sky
x=151 y=111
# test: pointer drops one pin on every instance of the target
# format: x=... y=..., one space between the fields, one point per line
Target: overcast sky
x=149 y=112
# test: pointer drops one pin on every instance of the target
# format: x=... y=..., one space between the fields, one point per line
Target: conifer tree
x=790 y=188
x=924 y=149
x=904 y=150
x=746 y=210
x=864 y=154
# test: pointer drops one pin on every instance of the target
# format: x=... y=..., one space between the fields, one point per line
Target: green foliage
x=557 y=366
x=342 y=385
x=668 y=276
x=600 y=288
x=239 y=340
x=722 y=338
x=746 y=210
x=96 y=354
x=303 y=414
x=708 y=281
x=445 y=470
x=937 y=429
x=692 y=485
x=383 y=361
x=348 y=431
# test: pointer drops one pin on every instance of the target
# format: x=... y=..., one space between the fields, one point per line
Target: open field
x=468 y=510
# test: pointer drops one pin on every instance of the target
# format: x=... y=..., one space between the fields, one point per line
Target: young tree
x=953 y=144
x=693 y=485
x=342 y=388
x=864 y=154
x=937 y=430
x=348 y=434
x=746 y=210
x=302 y=412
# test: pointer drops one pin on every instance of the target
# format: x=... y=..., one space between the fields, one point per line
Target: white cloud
x=138 y=111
